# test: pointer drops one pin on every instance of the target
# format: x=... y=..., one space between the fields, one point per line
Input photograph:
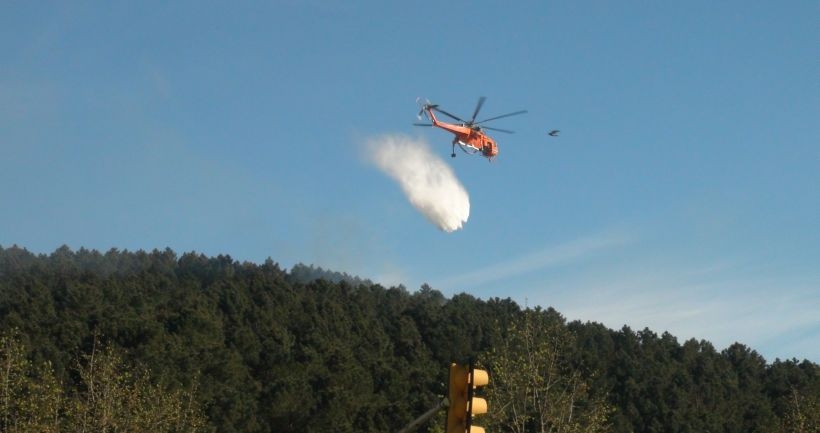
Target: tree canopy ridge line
x=274 y=350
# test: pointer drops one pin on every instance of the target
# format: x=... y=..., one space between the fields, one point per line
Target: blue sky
x=683 y=194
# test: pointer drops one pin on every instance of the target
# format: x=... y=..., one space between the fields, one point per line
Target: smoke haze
x=428 y=182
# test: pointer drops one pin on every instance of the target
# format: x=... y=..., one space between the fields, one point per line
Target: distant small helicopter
x=469 y=135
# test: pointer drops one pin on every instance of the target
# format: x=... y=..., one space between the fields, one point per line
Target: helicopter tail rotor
x=424 y=106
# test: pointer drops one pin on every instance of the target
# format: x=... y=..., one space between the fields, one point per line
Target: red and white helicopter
x=469 y=134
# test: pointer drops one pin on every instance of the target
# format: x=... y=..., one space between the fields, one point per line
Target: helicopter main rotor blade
x=498 y=129
x=501 y=116
x=423 y=124
x=478 y=108
x=448 y=114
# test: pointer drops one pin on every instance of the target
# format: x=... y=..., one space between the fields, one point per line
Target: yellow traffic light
x=462 y=403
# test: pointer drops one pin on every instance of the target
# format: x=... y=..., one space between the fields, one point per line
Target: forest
x=123 y=341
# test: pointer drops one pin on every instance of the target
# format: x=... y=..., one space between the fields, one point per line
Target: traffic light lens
x=480 y=377
x=478 y=406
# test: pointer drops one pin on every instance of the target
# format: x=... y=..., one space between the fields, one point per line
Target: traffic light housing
x=464 y=379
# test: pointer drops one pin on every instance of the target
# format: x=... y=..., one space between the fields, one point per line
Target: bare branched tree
x=533 y=386
x=113 y=396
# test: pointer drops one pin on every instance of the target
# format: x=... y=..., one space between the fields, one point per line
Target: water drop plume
x=428 y=182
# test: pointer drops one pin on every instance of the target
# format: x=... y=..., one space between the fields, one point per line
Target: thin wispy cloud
x=721 y=304
x=551 y=256
x=618 y=279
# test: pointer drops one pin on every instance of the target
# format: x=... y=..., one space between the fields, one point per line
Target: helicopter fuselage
x=467 y=137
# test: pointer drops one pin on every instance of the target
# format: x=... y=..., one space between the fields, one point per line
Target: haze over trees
x=156 y=341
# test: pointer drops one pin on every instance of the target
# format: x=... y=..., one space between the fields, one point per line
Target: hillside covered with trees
x=156 y=341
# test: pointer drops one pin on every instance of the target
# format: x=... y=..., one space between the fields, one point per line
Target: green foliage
x=109 y=396
x=30 y=398
x=535 y=386
x=259 y=349
x=117 y=397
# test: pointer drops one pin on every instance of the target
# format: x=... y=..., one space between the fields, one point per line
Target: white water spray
x=428 y=182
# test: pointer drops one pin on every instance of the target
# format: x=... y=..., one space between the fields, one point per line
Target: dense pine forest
x=156 y=341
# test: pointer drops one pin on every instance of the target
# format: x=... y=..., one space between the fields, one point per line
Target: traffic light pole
x=427 y=415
